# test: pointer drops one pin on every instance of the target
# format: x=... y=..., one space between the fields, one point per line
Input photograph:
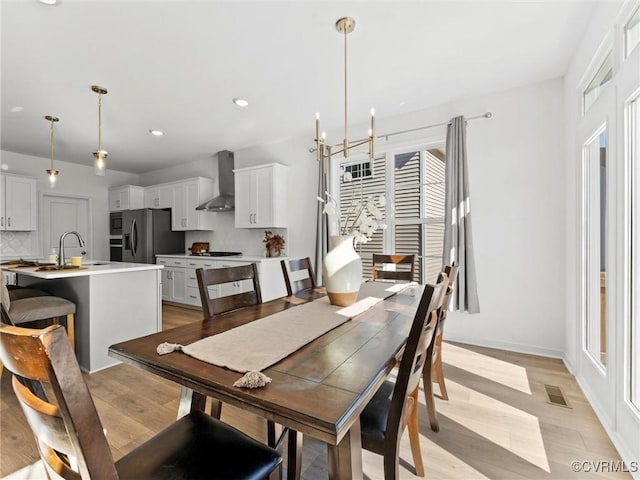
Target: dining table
x=318 y=390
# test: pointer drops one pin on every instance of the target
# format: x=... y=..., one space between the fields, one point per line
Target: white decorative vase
x=342 y=271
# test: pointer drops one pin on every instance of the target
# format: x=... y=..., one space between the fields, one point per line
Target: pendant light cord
x=51 y=144
x=100 y=123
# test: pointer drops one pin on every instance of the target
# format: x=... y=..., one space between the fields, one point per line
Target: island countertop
x=87 y=269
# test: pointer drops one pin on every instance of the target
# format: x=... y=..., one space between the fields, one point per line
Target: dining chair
x=437 y=375
x=404 y=273
x=394 y=406
x=69 y=434
x=218 y=276
x=217 y=306
x=294 y=266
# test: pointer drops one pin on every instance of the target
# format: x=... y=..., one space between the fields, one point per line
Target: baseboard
x=624 y=451
x=512 y=347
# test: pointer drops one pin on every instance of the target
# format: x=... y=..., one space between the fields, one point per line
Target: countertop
x=89 y=268
x=231 y=258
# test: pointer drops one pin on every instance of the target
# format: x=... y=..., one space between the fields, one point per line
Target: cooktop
x=216 y=254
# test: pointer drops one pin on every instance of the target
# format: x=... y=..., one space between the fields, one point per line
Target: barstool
x=28 y=305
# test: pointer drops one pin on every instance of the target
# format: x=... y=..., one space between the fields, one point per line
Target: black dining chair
x=213 y=306
x=436 y=375
x=292 y=267
x=70 y=437
x=394 y=406
x=404 y=267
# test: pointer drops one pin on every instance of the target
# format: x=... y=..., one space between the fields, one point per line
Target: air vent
x=555 y=396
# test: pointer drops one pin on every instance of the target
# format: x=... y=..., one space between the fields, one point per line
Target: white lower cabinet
x=180 y=284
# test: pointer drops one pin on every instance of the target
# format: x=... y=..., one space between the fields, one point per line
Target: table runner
x=259 y=344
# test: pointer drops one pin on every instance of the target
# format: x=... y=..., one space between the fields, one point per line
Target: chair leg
x=294 y=455
x=414 y=435
x=438 y=374
x=71 y=330
x=428 y=396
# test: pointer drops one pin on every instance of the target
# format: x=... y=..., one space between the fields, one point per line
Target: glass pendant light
x=52 y=173
x=100 y=155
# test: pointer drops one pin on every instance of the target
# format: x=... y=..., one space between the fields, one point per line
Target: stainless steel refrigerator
x=146 y=233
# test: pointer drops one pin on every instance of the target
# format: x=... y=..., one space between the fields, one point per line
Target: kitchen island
x=114 y=302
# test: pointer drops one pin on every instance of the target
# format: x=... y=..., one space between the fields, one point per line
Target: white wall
x=76 y=180
x=517 y=192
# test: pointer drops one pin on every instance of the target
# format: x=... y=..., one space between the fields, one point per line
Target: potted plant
x=273 y=244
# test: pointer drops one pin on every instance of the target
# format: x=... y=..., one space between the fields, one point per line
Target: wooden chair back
x=296 y=286
x=451 y=271
x=416 y=351
x=68 y=431
x=218 y=276
x=406 y=261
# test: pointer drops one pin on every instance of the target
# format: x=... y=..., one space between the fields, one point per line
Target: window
x=595 y=246
x=599 y=80
x=633 y=142
x=364 y=184
x=414 y=180
x=632 y=33
x=359 y=170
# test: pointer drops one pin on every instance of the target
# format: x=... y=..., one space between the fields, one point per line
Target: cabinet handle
x=208 y=265
x=193 y=296
x=157 y=202
x=8 y=221
x=192 y=278
x=1 y=221
x=169 y=275
x=176 y=263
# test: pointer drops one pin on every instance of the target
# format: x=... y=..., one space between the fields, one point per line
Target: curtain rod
x=400 y=132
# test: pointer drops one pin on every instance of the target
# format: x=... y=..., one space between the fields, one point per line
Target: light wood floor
x=496 y=424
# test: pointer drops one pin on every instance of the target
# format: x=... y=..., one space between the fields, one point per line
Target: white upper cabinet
x=261 y=196
x=158 y=196
x=186 y=196
x=127 y=197
x=19 y=203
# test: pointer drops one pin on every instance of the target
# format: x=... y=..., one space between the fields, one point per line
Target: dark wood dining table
x=319 y=390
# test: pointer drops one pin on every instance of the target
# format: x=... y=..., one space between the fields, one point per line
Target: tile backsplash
x=19 y=244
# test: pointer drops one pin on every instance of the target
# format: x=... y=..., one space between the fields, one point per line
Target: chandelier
x=52 y=173
x=100 y=156
x=344 y=25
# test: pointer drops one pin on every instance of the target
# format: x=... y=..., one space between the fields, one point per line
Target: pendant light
x=345 y=26
x=100 y=156
x=52 y=173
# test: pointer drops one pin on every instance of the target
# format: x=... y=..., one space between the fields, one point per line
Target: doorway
x=63 y=213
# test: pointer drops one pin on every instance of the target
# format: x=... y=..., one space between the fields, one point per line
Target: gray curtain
x=458 y=243
x=322 y=222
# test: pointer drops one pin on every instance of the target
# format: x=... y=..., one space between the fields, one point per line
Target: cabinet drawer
x=193 y=296
x=192 y=280
x=173 y=262
x=225 y=264
x=201 y=263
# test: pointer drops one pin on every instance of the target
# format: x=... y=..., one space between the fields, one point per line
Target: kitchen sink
x=95 y=263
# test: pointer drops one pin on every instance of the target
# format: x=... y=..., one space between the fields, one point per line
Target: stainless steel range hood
x=226 y=201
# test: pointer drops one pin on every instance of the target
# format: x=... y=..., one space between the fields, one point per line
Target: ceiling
x=177 y=65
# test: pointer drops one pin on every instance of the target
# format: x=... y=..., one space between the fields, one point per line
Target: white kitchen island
x=114 y=302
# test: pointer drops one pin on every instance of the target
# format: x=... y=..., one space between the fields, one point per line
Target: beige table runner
x=259 y=344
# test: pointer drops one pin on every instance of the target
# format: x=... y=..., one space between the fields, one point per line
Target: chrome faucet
x=61 y=260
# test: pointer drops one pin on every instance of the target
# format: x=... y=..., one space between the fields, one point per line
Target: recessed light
x=49 y=2
x=17 y=109
x=241 y=102
x=157 y=133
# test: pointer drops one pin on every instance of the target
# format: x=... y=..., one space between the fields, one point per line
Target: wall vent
x=555 y=396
